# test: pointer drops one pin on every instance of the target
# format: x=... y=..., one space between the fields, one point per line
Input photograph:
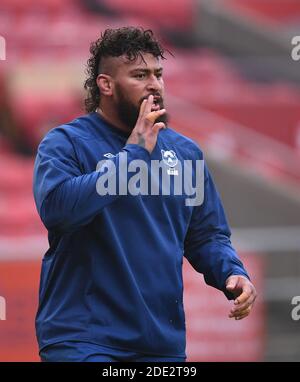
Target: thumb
x=232 y=283
x=158 y=126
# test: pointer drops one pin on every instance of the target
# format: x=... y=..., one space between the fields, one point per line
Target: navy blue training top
x=113 y=272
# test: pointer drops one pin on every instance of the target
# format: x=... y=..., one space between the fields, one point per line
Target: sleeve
x=65 y=197
x=207 y=244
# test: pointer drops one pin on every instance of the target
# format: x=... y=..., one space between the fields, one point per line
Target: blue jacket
x=113 y=272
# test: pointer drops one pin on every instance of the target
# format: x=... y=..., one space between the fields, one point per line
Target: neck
x=112 y=119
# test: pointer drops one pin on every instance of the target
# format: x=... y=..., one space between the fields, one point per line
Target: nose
x=154 y=84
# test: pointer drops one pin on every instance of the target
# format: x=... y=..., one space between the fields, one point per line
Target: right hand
x=146 y=130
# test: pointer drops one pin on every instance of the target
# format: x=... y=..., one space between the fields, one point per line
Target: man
x=111 y=284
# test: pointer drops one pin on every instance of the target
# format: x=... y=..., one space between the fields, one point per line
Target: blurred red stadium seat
x=41 y=113
x=271 y=10
x=17 y=210
x=171 y=12
x=218 y=87
x=26 y=6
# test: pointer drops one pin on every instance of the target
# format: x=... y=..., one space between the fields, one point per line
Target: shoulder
x=79 y=128
x=182 y=143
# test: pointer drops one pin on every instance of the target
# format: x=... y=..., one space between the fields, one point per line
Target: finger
x=241 y=312
x=243 y=297
x=232 y=283
x=237 y=312
x=142 y=109
x=245 y=305
x=151 y=117
x=238 y=316
x=148 y=106
x=158 y=126
x=242 y=316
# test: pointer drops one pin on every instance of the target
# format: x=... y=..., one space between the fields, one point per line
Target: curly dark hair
x=128 y=41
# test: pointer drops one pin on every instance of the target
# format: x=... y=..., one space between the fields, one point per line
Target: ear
x=163 y=152
x=105 y=84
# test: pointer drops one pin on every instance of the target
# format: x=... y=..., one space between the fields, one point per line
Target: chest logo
x=169 y=157
x=109 y=155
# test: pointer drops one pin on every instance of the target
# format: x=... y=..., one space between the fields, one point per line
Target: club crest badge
x=170 y=159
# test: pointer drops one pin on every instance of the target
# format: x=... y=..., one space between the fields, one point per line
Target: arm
x=65 y=197
x=209 y=250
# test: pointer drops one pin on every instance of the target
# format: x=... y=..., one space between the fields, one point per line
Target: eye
x=140 y=76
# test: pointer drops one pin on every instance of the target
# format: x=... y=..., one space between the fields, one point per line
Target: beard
x=128 y=112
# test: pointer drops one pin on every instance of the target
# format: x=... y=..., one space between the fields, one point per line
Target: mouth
x=156 y=104
x=155 y=107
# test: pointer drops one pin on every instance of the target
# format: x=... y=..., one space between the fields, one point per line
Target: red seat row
x=280 y=11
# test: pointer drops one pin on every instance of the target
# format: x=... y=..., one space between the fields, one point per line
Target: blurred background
x=233 y=86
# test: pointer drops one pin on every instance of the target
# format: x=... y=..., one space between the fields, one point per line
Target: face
x=134 y=82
